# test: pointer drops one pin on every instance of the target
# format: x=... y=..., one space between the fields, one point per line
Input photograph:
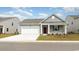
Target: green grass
x=6 y=35
x=68 y=37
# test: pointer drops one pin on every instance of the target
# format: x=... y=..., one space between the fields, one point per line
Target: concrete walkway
x=21 y=37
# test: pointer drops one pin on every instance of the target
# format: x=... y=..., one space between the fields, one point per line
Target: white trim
x=53 y=23
x=48 y=29
x=41 y=29
x=65 y=29
x=3 y=30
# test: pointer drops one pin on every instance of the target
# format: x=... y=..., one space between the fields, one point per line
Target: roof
x=5 y=18
x=37 y=21
x=31 y=22
x=1 y=26
x=73 y=16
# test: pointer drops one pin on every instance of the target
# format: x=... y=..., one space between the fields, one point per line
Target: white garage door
x=30 y=30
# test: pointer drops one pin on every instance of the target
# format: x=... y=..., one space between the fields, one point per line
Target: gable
x=52 y=19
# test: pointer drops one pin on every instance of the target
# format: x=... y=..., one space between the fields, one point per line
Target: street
x=39 y=46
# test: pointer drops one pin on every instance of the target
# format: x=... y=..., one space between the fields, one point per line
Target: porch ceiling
x=52 y=24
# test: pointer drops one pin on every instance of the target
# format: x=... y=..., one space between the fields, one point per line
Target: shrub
x=71 y=32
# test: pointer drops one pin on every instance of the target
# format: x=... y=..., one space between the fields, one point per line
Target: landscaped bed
x=6 y=35
x=68 y=37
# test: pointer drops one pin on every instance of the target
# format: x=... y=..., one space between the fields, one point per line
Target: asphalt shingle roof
x=5 y=18
x=31 y=22
x=74 y=16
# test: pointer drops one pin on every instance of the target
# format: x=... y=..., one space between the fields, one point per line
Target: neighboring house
x=9 y=25
x=72 y=24
x=50 y=25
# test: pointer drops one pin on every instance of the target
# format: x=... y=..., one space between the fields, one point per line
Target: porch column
x=41 y=28
x=48 y=29
x=65 y=29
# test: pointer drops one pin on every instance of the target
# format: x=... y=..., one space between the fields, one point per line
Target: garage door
x=30 y=30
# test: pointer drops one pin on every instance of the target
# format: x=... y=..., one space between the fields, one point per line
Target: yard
x=6 y=35
x=68 y=37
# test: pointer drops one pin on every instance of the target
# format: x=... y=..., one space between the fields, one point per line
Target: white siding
x=72 y=27
x=8 y=24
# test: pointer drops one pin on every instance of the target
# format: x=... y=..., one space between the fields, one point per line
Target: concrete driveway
x=21 y=37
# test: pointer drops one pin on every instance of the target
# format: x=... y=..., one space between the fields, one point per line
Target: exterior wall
x=8 y=24
x=72 y=25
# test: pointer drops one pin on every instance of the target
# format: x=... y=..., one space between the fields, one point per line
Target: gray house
x=9 y=25
x=51 y=25
x=72 y=23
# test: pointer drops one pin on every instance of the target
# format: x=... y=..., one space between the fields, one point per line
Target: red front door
x=45 y=30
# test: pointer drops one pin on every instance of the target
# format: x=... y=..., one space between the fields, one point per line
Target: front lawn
x=68 y=37
x=6 y=35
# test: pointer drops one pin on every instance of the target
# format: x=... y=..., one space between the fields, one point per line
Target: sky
x=38 y=12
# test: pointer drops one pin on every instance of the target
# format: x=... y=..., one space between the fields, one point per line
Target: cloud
x=51 y=8
x=5 y=15
x=17 y=12
x=20 y=16
x=42 y=15
x=13 y=15
x=22 y=11
x=60 y=15
x=31 y=10
x=71 y=9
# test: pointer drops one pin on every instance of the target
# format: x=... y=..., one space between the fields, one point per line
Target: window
x=16 y=30
x=72 y=23
x=78 y=30
x=12 y=23
x=55 y=28
x=7 y=29
x=53 y=17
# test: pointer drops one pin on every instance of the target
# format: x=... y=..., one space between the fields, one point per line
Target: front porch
x=53 y=29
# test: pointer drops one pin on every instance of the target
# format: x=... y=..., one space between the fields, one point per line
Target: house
x=72 y=23
x=9 y=25
x=51 y=25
